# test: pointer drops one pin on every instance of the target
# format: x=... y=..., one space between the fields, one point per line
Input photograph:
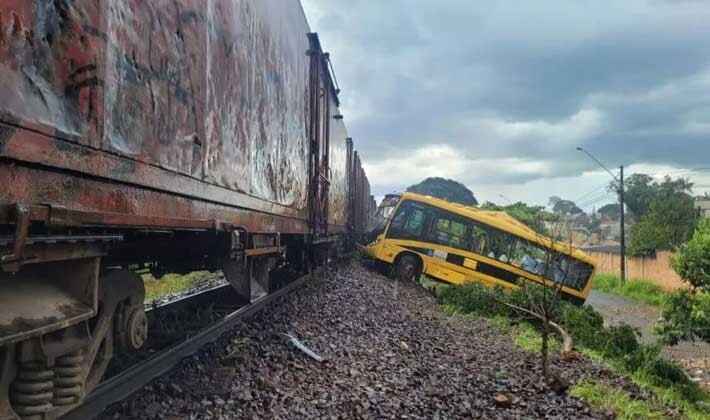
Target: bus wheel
x=408 y=268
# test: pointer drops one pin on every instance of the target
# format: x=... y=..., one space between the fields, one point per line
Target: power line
x=596 y=200
x=680 y=171
x=591 y=192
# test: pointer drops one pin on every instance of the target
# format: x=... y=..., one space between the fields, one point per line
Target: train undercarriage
x=73 y=301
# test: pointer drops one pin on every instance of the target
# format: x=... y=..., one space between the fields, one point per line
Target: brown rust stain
x=6 y=132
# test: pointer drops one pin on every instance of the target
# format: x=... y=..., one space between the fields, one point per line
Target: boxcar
x=169 y=136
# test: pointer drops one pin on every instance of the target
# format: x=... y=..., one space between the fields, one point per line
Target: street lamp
x=505 y=198
x=622 y=226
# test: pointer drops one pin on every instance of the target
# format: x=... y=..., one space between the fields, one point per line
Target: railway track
x=130 y=380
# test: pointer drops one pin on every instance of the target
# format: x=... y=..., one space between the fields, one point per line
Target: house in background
x=702 y=204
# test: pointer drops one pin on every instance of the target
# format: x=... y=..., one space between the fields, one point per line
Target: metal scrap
x=302 y=347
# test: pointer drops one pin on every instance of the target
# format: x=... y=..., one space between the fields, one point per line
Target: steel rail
x=133 y=379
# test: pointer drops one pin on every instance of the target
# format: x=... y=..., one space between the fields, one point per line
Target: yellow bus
x=454 y=243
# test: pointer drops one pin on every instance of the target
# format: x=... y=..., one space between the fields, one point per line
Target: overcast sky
x=497 y=94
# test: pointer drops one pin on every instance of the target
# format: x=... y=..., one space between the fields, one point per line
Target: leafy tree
x=686 y=313
x=640 y=190
x=535 y=217
x=664 y=211
x=610 y=211
x=446 y=189
x=564 y=207
x=669 y=224
x=638 y=194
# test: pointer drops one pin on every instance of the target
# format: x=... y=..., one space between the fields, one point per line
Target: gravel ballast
x=389 y=353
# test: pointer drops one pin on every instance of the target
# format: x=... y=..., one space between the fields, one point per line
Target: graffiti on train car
x=213 y=90
x=154 y=81
x=256 y=134
x=49 y=62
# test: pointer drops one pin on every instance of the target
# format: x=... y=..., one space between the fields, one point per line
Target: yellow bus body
x=435 y=257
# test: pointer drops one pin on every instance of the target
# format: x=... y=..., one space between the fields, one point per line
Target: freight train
x=165 y=136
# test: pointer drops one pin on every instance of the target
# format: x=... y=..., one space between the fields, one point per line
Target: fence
x=654 y=269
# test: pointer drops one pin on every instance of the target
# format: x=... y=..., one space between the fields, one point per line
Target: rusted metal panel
x=50 y=64
x=257 y=99
x=155 y=77
x=99 y=203
x=338 y=155
x=29 y=146
x=170 y=111
x=351 y=184
x=320 y=99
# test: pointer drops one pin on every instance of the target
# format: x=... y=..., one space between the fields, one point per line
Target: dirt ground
x=695 y=357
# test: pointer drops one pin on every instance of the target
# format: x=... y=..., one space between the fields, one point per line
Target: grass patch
x=528 y=338
x=172 y=284
x=639 y=290
x=674 y=396
x=606 y=398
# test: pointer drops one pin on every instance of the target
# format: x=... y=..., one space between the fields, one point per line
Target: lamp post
x=505 y=198
x=622 y=226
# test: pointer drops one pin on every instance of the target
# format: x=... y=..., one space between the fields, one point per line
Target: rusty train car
x=169 y=136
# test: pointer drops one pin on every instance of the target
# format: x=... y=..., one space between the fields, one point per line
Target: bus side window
x=479 y=240
x=448 y=231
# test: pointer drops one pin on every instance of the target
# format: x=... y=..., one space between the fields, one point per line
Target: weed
x=639 y=290
x=172 y=284
x=607 y=398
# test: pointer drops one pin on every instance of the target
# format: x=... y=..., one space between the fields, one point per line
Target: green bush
x=692 y=261
x=584 y=323
x=620 y=341
x=686 y=313
x=474 y=298
x=685 y=317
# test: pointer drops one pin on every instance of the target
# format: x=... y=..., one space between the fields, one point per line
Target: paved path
x=694 y=357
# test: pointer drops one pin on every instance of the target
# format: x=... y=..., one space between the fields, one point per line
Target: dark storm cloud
x=504 y=80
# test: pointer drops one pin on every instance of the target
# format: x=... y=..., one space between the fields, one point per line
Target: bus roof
x=500 y=220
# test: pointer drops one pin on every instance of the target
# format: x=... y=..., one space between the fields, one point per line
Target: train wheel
x=408 y=268
x=120 y=321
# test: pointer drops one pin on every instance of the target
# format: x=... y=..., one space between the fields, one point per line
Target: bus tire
x=408 y=268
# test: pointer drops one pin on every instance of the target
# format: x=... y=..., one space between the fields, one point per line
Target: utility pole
x=622 y=226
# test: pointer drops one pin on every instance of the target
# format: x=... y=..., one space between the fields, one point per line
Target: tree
x=664 y=211
x=640 y=190
x=564 y=207
x=610 y=211
x=686 y=313
x=446 y=189
x=535 y=217
x=638 y=194
x=544 y=302
x=669 y=224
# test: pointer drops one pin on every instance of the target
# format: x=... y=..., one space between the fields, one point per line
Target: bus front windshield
x=378 y=222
